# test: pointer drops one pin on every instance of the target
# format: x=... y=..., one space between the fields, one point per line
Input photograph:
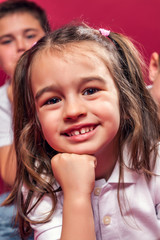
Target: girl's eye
x=90 y=91
x=52 y=101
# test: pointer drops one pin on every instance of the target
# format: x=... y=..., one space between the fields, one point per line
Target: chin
x=87 y=152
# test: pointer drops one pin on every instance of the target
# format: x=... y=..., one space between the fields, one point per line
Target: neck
x=106 y=161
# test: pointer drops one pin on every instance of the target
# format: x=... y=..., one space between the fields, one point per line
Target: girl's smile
x=80 y=133
x=76 y=100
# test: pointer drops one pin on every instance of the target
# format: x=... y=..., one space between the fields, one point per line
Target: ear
x=153 y=66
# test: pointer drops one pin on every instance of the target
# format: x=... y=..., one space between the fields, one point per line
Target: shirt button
x=107 y=220
x=97 y=191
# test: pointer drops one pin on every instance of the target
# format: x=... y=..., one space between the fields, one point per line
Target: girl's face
x=76 y=100
x=18 y=32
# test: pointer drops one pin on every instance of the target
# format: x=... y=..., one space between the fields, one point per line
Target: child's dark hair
x=139 y=124
x=19 y=6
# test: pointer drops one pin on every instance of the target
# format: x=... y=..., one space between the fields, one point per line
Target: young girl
x=86 y=138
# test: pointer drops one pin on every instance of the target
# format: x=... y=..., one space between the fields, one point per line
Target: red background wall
x=139 y=19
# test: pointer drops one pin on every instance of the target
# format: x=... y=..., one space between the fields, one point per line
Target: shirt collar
x=130 y=176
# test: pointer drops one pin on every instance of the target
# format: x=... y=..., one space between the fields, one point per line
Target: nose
x=21 y=45
x=74 y=109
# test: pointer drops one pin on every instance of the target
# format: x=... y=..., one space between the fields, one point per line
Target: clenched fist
x=75 y=173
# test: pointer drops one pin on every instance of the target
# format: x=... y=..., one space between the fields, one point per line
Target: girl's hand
x=75 y=173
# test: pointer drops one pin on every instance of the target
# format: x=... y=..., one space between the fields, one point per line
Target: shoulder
x=4 y=103
x=52 y=228
x=6 y=132
x=154 y=183
x=44 y=205
x=157 y=164
x=3 y=94
x=3 y=88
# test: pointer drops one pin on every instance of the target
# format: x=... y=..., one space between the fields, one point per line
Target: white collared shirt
x=140 y=207
x=6 y=130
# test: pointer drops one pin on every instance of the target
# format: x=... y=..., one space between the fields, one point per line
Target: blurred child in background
x=154 y=77
x=22 y=24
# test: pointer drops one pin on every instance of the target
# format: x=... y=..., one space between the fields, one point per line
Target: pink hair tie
x=104 y=32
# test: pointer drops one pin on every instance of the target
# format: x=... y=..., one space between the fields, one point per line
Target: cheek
x=3 y=60
x=107 y=108
x=31 y=43
x=52 y=137
x=111 y=117
x=49 y=124
x=109 y=114
x=49 y=132
x=8 y=63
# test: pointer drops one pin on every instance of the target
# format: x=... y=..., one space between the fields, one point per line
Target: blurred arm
x=8 y=164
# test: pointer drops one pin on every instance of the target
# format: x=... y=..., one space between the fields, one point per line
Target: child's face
x=154 y=76
x=76 y=100
x=18 y=32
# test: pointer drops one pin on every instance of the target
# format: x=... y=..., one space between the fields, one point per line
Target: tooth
x=87 y=129
x=82 y=131
x=76 y=133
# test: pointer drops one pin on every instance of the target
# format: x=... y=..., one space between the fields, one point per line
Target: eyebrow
x=44 y=90
x=52 y=88
x=25 y=31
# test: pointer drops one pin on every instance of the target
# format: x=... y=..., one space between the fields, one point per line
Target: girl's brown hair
x=139 y=125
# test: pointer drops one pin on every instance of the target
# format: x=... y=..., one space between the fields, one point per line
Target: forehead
x=68 y=64
x=19 y=20
x=87 y=49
